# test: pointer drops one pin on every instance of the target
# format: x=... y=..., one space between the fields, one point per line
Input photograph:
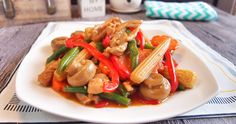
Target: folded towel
x=193 y=11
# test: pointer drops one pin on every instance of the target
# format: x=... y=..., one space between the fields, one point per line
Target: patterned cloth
x=194 y=11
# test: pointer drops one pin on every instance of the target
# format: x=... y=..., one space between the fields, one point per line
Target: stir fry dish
x=115 y=64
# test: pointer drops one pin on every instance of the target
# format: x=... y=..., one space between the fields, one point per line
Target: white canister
x=125 y=6
x=92 y=8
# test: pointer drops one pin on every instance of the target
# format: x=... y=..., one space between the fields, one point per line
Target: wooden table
x=220 y=35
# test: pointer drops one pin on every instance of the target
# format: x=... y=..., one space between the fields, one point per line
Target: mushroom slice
x=159 y=88
x=85 y=72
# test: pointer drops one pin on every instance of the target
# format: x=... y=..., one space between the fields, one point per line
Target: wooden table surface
x=220 y=35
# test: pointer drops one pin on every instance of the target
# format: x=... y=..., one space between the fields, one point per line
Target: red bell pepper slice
x=107 y=87
x=106 y=41
x=121 y=68
x=70 y=41
x=101 y=104
x=150 y=102
x=141 y=39
x=171 y=70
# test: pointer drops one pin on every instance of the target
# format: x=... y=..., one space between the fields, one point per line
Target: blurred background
x=16 y=12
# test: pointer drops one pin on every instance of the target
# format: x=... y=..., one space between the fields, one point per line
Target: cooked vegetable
x=99 y=46
x=58 y=85
x=67 y=58
x=186 y=78
x=110 y=96
x=84 y=72
x=153 y=80
x=71 y=89
x=116 y=97
x=109 y=87
x=104 y=69
x=101 y=104
x=171 y=70
x=132 y=46
x=158 y=39
x=158 y=89
x=180 y=88
x=59 y=77
x=141 y=40
x=121 y=68
x=84 y=54
x=145 y=68
x=56 y=54
x=106 y=41
x=148 y=46
x=70 y=42
x=119 y=51
x=128 y=31
x=123 y=91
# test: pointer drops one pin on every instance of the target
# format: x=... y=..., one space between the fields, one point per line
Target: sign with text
x=92 y=8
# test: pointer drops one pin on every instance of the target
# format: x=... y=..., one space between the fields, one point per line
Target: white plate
x=46 y=99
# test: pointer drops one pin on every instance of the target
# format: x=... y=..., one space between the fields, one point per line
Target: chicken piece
x=155 y=87
x=120 y=38
x=45 y=78
x=84 y=99
x=58 y=43
x=88 y=32
x=95 y=86
x=117 y=50
x=84 y=71
x=100 y=31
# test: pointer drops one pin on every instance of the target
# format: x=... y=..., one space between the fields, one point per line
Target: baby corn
x=144 y=69
x=84 y=54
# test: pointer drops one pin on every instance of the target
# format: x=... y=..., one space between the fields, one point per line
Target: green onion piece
x=148 y=46
x=116 y=97
x=67 y=59
x=180 y=88
x=56 y=54
x=128 y=31
x=123 y=91
x=132 y=46
x=110 y=96
x=71 y=89
x=99 y=46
